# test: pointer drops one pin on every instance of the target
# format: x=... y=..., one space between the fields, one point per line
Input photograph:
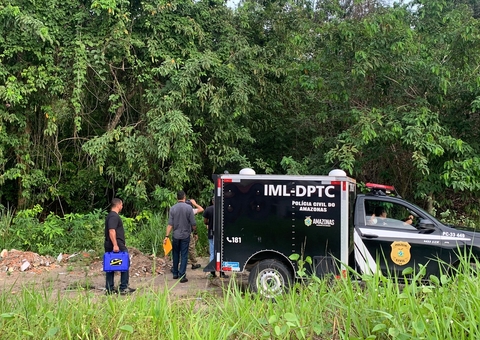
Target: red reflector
x=217 y=266
x=219 y=183
x=336 y=182
x=344 y=187
x=227 y=180
x=380 y=186
x=226 y=269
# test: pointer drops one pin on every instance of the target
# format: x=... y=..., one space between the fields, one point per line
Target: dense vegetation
x=76 y=232
x=103 y=98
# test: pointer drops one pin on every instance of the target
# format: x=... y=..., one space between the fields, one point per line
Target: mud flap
x=210 y=267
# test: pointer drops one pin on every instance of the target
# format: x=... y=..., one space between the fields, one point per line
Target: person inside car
x=378 y=218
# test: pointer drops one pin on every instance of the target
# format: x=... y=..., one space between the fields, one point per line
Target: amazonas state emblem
x=400 y=253
x=308 y=221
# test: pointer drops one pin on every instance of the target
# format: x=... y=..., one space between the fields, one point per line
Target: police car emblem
x=400 y=253
x=308 y=221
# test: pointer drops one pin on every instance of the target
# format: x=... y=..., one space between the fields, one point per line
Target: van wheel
x=473 y=270
x=269 y=278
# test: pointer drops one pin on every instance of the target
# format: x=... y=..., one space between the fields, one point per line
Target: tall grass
x=374 y=308
x=6 y=236
x=147 y=234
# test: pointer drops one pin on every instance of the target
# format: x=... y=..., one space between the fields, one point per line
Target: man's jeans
x=110 y=283
x=211 y=249
x=180 y=255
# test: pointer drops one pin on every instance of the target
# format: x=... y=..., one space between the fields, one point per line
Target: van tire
x=270 y=278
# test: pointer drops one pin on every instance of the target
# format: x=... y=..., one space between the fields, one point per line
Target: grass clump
x=373 y=308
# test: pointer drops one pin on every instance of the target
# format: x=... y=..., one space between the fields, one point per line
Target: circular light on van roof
x=247 y=171
x=337 y=172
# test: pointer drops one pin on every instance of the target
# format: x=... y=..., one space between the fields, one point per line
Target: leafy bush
x=84 y=231
x=453 y=218
x=25 y=229
x=147 y=230
x=76 y=232
x=69 y=234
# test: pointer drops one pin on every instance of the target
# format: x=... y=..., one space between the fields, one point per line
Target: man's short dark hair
x=180 y=195
x=116 y=201
x=379 y=211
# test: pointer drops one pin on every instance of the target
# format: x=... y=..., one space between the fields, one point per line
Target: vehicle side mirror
x=426 y=224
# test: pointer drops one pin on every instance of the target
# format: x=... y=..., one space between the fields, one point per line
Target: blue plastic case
x=116 y=262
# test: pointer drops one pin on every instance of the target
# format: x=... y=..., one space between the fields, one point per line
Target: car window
x=389 y=215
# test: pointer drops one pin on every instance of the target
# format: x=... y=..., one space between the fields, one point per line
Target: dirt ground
x=75 y=273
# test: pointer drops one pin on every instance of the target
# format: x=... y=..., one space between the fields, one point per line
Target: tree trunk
x=430 y=203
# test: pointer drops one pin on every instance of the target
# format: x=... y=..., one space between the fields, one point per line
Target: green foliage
x=453 y=218
x=70 y=234
x=76 y=232
x=301 y=263
x=140 y=99
x=293 y=167
x=6 y=219
x=146 y=232
x=23 y=225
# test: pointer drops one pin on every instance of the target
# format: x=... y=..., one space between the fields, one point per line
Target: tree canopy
x=138 y=99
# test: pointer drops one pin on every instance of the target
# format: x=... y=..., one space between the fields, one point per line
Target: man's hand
x=116 y=249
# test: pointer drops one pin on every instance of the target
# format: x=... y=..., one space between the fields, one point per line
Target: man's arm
x=197 y=206
x=169 y=229
x=113 y=237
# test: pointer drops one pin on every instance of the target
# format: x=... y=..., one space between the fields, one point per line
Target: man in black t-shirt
x=115 y=241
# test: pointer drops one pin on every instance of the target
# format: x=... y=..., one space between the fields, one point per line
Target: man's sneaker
x=211 y=275
x=127 y=291
x=183 y=280
x=175 y=277
x=196 y=266
x=111 y=292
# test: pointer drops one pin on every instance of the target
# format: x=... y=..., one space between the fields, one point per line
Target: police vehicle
x=261 y=220
x=394 y=234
